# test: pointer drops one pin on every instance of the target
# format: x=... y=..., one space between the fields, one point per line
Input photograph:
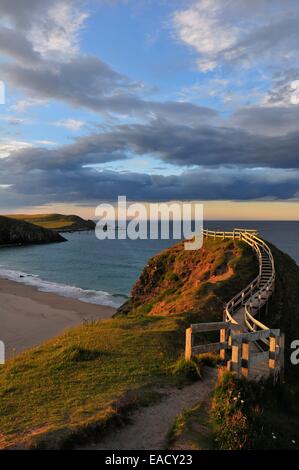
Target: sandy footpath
x=29 y=317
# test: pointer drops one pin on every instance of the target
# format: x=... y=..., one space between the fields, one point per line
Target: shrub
x=191 y=370
x=227 y=413
x=209 y=359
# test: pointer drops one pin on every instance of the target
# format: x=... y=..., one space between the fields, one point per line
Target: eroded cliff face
x=16 y=232
x=178 y=281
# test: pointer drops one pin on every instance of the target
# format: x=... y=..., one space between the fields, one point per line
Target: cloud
x=52 y=27
x=24 y=15
x=252 y=154
x=23 y=105
x=15 y=45
x=48 y=65
x=217 y=163
x=58 y=35
x=239 y=31
x=267 y=120
x=86 y=81
x=200 y=27
x=72 y=124
x=8 y=147
x=187 y=145
x=87 y=185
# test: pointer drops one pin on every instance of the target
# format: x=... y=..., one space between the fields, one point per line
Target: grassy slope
x=78 y=382
x=56 y=221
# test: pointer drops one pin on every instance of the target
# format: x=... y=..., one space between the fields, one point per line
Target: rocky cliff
x=178 y=281
x=17 y=232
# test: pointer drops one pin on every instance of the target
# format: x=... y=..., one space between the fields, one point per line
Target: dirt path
x=150 y=425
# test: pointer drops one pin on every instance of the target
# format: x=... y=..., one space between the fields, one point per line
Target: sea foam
x=88 y=296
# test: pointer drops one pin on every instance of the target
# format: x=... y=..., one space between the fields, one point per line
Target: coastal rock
x=17 y=232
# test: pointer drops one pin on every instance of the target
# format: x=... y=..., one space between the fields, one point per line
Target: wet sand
x=28 y=317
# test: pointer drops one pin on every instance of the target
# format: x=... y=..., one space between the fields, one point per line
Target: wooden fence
x=236 y=348
x=237 y=339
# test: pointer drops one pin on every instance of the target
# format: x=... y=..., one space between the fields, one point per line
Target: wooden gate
x=241 y=351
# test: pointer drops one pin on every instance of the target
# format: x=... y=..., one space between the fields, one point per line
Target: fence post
x=223 y=335
x=2 y=352
x=245 y=359
x=234 y=364
x=273 y=354
x=188 y=344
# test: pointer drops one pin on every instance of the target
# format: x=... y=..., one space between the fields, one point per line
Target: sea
x=103 y=271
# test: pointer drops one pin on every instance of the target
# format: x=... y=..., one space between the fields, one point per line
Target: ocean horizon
x=103 y=271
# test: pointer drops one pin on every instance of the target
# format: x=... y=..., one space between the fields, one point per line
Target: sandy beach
x=28 y=317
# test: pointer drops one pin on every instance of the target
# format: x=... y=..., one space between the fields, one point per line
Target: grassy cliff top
x=177 y=281
x=80 y=382
x=59 y=222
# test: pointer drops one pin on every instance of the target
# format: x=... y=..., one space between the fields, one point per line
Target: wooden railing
x=257 y=293
x=236 y=336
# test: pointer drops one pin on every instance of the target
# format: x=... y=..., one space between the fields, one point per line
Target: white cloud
x=21 y=106
x=8 y=147
x=240 y=31
x=45 y=143
x=72 y=124
x=201 y=27
x=58 y=35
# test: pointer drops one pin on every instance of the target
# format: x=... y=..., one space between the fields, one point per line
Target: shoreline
x=29 y=317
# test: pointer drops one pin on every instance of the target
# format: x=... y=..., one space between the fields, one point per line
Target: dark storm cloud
x=199 y=145
x=224 y=166
x=88 y=82
x=91 y=187
x=15 y=45
x=23 y=13
x=267 y=120
x=176 y=144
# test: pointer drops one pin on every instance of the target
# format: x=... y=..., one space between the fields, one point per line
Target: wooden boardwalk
x=251 y=348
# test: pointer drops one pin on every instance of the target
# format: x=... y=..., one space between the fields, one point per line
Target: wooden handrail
x=236 y=336
x=257 y=293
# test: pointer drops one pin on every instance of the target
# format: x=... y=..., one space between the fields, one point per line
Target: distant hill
x=18 y=232
x=58 y=222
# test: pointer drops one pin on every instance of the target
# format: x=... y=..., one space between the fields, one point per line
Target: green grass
x=79 y=378
x=55 y=221
x=192 y=370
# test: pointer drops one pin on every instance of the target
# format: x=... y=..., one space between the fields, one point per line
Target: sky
x=157 y=100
